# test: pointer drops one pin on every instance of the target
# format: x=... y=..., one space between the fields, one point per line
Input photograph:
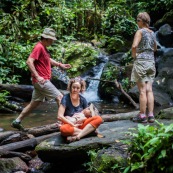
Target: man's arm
x=55 y=63
x=30 y=63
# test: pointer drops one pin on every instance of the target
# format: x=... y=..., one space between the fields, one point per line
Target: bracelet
x=59 y=64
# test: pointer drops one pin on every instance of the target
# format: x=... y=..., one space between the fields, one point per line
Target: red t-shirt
x=42 y=62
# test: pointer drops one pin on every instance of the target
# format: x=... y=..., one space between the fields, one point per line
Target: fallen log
x=26 y=144
x=15 y=136
x=43 y=130
x=21 y=91
x=120 y=116
x=11 y=154
x=20 y=136
x=4 y=135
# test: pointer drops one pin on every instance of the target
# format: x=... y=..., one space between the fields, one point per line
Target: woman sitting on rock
x=72 y=103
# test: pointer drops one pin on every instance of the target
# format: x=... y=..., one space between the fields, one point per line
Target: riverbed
x=46 y=113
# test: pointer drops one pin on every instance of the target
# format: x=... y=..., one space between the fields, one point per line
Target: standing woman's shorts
x=143 y=70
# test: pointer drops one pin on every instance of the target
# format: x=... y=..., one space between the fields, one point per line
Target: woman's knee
x=97 y=121
x=149 y=88
x=67 y=130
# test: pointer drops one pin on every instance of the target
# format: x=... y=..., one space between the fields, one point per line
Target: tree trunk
x=10 y=154
x=21 y=91
x=120 y=116
x=43 y=130
x=27 y=144
x=4 y=135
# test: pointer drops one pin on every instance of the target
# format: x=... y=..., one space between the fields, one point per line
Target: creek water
x=46 y=113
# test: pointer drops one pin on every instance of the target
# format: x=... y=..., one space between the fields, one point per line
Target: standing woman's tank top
x=145 y=49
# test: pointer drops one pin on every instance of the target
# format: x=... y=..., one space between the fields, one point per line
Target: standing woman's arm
x=137 y=39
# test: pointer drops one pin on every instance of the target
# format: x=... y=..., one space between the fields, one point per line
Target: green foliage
x=3 y=95
x=22 y=21
x=111 y=73
x=127 y=59
x=13 y=57
x=89 y=165
x=153 y=5
x=151 y=149
x=118 y=25
x=101 y=164
x=81 y=57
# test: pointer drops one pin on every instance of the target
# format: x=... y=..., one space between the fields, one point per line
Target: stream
x=46 y=113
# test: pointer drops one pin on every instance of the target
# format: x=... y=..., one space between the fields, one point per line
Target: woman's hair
x=144 y=16
x=74 y=80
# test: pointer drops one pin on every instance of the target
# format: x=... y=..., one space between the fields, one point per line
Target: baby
x=79 y=118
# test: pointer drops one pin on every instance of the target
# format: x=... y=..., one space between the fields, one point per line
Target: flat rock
x=56 y=149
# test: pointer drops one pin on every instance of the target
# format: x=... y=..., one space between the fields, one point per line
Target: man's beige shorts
x=143 y=71
x=46 y=90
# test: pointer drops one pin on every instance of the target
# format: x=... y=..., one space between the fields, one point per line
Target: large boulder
x=57 y=151
x=165 y=36
x=14 y=164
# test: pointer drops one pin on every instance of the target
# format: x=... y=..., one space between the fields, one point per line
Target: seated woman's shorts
x=143 y=71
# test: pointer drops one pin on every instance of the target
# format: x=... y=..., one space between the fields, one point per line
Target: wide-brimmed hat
x=49 y=33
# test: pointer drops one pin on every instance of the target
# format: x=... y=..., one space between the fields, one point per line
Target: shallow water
x=46 y=113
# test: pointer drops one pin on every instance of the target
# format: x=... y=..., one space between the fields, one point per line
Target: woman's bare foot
x=72 y=138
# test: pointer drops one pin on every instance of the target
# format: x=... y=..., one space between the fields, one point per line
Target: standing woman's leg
x=142 y=87
x=141 y=117
x=150 y=102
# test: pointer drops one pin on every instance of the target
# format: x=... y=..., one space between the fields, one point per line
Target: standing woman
x=143 y=72
x=72 y=103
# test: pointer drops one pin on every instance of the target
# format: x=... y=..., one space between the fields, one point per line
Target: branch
x=119 y=86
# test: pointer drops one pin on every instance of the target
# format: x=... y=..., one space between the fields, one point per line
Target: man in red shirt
x=39 y=63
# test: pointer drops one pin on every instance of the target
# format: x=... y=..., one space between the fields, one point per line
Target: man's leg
x=58 y=99
x=50 y=92
x=26 y=111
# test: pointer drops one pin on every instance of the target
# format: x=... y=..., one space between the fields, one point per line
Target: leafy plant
x=3 y=95
x=89 y=165
x=151 y=149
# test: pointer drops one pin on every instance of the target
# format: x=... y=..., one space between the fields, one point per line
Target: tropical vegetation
x=108 y=21
x=76 y=22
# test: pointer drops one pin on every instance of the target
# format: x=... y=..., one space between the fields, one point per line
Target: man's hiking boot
x=17 y=125
x=151 y=119
x=140 y=119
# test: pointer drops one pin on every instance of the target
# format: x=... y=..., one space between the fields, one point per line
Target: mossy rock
x=108 y=160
